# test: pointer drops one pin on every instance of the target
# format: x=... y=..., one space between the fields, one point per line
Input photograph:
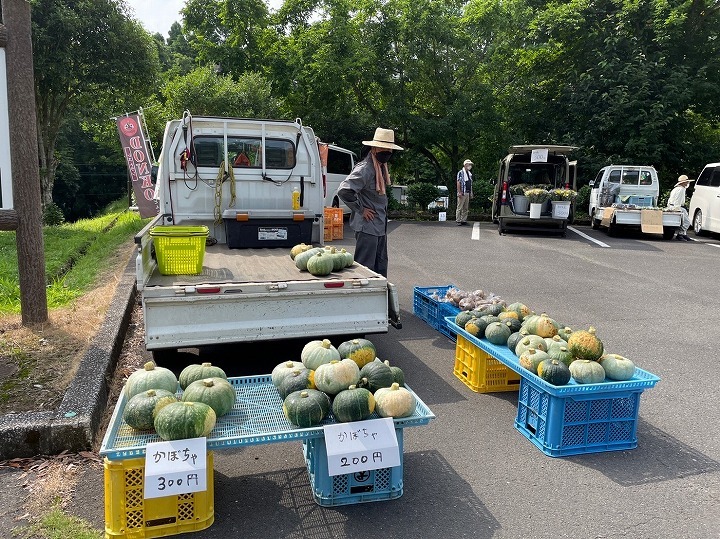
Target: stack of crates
x=333 y=224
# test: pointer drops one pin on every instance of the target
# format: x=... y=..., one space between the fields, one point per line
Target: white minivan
x=705 y=202
x=340 y=163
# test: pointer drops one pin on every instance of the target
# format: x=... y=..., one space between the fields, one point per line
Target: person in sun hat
x=364 y=192
x=676 y=201
x=464 y=192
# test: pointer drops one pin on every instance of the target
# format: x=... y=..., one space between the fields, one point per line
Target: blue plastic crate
x=426 y=307
x=448 y=310
x=360 y=487
x=578 y=424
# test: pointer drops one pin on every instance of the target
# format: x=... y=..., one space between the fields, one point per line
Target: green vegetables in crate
x=375 y=375
x=497 y=333
x=476 y=327
x=283 y=370
x=531 y=341
x=150 y=377
x=320 y=264
x=181 y=420
x=140 y=410
x=512 y=323
x=301 y=260
x=530 y=359
x=561 y=353
x=398 y=374
x=306 y=408
x=521 y=310
x=353 y=404
x=462 y=318
x=585 y=371
x=542 y=325
x=192 y=373
x=335 y=376
x=585 y=345
x=316 y=353
x=617 y=367
x=361 y=351
x=555 y=341
x=217 y=393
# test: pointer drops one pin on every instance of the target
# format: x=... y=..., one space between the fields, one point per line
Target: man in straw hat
x=464 y=192
x=364 y=192
x=676 y=201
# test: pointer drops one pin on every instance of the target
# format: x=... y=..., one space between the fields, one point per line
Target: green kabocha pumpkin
x=140 y=410
x=561 y=353
x=375 y=375
x=530 y=359
x=280 y=372
x=462 y=318
x=531 y=341
x=297 y=380
x=394 y=401
x=353 y=404
x=296 y=250
x=543 y=326
x=361 y=351
x=585 y=345
x=489 y=319
x=301 y=259
x=520 y=309
x=306 y=408
x=398 y=374
x=512 y=323
x=338 y=259
x=191 y=373
x=217 y=393
x=564 y=333
x=495 y=309
x=585 y=371
x=476 y=327
x=554 y=372
x=349 y=260
x=150 y=377
x=617 y=367
x=182 y=420
x=555 y=341
x=513 y=339
x=509 y=314
x=320 y=264
x=335 y=376
x=497 y=333
x=315 y=356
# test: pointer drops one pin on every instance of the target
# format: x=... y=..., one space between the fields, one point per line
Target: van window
x=614 y=176
x=630 y=177
x=715 y=181
x=339 y=162
x=245 y=152
x=704 y=178
x=599 y=176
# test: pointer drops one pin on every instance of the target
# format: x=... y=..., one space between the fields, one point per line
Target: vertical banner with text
x=138 y=162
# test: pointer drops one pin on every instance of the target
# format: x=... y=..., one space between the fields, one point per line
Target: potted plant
x=519 y=200
x=536 y=197
x=561 y=199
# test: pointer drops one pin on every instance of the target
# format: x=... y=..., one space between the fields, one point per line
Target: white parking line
x=476 y=231
x=598 y=242
x=714 y=245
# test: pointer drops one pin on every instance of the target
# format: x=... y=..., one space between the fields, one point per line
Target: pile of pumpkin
x=545 y=347
x=320 y=261
x=349 y=380
x=152 y=403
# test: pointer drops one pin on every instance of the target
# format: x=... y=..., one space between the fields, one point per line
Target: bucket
x=442 y=216
x=520 y=203
x=535 y=210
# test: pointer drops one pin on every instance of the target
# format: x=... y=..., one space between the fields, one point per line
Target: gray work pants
x=684 y=222
x=463 y=204
x=371 y=251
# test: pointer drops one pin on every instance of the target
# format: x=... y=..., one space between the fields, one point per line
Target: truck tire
x=613 y=229
x=668 y=232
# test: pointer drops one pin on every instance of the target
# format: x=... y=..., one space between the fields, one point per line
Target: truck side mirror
x=592 y=182
x=493 y=181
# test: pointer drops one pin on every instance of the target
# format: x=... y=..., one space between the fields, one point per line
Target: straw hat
x=467 y=162
x=683 y=179
x=383 y=138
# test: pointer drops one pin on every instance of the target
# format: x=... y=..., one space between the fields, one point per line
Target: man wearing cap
x=676 y=201
x=464 y=192
x=363 y=191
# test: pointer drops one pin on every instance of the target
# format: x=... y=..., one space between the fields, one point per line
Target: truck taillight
x=335 y=284
x=504 y=193
x=208 y=290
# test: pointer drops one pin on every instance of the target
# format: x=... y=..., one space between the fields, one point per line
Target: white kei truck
x=626 y=196
x=240 y=178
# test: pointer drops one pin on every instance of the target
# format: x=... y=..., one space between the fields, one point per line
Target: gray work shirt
x=358 y=191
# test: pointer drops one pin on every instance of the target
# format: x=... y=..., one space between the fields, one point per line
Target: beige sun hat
x=383 y=138
x=683 y=179
x=467 y=162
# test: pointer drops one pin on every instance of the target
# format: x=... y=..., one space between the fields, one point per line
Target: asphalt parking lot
x=470 y=473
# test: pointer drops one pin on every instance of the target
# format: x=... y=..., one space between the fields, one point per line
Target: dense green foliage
x=628 y=82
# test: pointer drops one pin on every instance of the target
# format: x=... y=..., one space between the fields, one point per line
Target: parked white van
x=340 y=163
x=705 y=201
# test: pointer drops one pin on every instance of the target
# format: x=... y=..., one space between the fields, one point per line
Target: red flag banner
x=138 y=162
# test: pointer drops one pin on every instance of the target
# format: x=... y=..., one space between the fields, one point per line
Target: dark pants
x=371 y=251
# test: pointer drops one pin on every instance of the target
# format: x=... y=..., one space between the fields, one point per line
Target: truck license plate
x=272 y=234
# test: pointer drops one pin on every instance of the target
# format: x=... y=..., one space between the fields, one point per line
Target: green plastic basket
x=180 y=250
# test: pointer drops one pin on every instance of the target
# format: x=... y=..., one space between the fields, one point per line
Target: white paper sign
x=539 y=156
x=361 y=445
x=177 y=467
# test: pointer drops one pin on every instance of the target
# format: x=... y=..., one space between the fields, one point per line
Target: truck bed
x=223 y=265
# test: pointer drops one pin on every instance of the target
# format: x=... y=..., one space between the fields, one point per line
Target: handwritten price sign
x=177 y=467
x=361 y=445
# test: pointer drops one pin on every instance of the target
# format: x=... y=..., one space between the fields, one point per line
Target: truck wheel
x=595 y=224
x=668 y=232
x=613 y=229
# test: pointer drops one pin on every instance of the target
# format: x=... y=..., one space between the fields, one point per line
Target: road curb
x=74 y=424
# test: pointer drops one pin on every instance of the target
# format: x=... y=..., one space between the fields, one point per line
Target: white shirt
x=677 y=197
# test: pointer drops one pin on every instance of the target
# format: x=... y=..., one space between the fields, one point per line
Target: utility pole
x=24 y=160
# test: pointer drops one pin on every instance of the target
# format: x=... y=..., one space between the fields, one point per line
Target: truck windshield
x=245 y=152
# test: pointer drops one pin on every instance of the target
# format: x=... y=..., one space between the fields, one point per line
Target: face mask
x=383 y=157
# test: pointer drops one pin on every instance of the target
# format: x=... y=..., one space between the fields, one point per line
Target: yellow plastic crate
x=180 y=250
x=129 y=516
x=481 y=372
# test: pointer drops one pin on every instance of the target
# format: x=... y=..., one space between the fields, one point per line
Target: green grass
x=56 y=524
x=75 y=254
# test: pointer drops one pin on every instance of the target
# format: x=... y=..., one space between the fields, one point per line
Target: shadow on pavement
x=436 y=502
x=658 y=457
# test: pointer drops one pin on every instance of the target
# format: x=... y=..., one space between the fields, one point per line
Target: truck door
x=595 y=192
x=572 y=176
